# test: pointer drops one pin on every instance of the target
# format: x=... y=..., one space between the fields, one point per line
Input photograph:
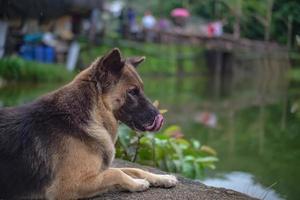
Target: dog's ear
x=135 y=61
x=112 y=62
x=108 y=69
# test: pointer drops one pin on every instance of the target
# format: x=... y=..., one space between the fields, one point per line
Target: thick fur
x=61 y=145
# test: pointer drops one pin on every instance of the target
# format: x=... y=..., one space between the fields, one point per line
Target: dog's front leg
x=109 y=179
x=93 y=185
x=154 y=179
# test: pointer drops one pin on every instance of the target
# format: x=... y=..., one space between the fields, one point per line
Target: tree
x=286 y=21
x=262 y=11
x=235 y=9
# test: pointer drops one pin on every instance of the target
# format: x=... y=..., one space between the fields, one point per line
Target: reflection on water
x=254 y=132
x=243 y=182
x=245 y=116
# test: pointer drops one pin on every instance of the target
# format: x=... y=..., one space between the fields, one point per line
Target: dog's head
x=122 y=90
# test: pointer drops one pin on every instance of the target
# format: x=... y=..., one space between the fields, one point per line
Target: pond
x=244 y=115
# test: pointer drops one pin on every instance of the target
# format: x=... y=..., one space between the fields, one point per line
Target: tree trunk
x=237 y=28
x=270 y=4
x=237 y=21
x=290 y=29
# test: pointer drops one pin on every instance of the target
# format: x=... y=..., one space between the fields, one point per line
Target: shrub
x=167 y=151
x=16 y=69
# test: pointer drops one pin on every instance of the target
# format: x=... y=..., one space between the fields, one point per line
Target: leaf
x=178 y=150
x=163 y=111
x=189 y=158
x=178 y=165
x=171 y=129
x=170 y=165
x=146 y=141
x=210 y=165
x=156 y=103
x=134 y=140
x=198 y=170
x=196 y=144
x=124 y=136
x=161 y=137
x=188 y=169
x=184 y=144
x=207 y=159
x=145 y=154
x=208 y=150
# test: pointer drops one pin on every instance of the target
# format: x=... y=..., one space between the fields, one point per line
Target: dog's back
x=31 y=135
x=24 y=150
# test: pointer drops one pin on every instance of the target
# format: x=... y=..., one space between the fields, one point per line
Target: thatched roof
x=45 y=9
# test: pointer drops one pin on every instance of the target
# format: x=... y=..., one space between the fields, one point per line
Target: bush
x=16 y=69
x=167 y=150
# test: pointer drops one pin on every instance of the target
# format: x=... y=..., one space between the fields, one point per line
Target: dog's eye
x=134 y=91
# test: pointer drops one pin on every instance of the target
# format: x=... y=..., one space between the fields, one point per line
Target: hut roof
x=45 y=9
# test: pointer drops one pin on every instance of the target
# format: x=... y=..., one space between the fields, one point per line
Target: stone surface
x=185 y=189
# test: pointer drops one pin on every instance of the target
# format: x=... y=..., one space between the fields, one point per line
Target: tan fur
x=78 y=163
x=80 y=169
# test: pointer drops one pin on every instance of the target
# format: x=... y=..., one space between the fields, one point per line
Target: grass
x=15 y=69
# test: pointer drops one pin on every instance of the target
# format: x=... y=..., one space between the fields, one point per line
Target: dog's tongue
x=157 y=124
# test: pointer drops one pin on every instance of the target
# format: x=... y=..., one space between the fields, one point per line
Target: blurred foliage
x=16 y=69
x=163 y=58
x=251 y=14
x=168 y=150
x=295 y=74
x=16 y=94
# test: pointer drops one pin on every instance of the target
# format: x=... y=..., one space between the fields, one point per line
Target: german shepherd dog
x=61 y=146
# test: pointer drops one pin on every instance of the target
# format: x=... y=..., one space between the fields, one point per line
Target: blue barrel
x=39 y=53
x=49 y=54
x=27 y=52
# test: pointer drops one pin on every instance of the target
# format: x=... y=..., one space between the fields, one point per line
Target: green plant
x=168 y=150
x=14 y=68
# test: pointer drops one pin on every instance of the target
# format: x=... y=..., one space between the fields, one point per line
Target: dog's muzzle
x=156 y=124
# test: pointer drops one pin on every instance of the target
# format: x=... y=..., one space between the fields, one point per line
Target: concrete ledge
x=186 y=189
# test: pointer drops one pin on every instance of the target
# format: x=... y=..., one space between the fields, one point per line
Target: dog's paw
x=141 y=185
x=166 y=181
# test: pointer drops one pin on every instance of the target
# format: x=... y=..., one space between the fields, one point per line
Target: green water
x=257 y=137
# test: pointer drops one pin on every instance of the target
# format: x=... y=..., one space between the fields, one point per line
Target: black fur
x=31 y=134
x=137 y=111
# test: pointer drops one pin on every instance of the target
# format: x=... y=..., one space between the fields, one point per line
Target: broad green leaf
x=189 y=158
x=207 y=159
x=171 y=129
x=161 y=136
x=196 y=144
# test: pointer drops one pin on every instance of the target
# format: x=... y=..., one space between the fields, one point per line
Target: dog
x=61 y=145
